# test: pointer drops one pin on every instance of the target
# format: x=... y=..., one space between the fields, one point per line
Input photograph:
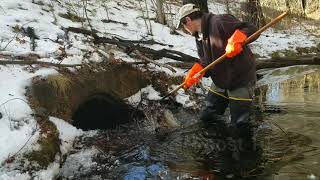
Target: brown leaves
x=20 y=40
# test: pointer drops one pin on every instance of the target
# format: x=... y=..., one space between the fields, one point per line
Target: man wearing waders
x=234 y=78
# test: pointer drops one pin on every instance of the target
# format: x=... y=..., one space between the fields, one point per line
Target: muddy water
x=300 y=100
x=290 y=144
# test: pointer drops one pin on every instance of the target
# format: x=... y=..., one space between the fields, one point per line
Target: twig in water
x=275 y=124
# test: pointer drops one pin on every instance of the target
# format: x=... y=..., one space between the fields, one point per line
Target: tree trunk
x=227 y=3
x=161 y=18
x=253 y=13
x=202 y=4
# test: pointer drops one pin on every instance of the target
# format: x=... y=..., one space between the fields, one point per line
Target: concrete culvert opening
x=104 y=112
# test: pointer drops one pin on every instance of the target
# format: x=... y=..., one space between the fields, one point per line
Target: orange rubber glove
x=189 y=80
x=235 y=42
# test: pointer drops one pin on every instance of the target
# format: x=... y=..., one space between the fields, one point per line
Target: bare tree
x=227 y=3
x=106 y=8
x=161 y=17
x=146 y=18
x=253 y=12
x=85 y=9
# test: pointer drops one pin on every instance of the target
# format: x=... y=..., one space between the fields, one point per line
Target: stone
x=170 y=119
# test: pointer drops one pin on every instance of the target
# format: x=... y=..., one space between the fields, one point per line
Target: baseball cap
x=184 y=11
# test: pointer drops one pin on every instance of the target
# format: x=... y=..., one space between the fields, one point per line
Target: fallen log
x=141 y=56
x=31 y=62
x=285 y=61
x=22 y=56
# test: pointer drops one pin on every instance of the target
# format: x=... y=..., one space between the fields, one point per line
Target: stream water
x=288 y=147
x=300 y=100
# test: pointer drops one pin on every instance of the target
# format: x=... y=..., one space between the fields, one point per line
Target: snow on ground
x=23 y=14
x=18 y=129
x=67 y=134
x=184 y=99
x=148 y=92
x=17 y=125
x=79 y=163
x=15 y=176
x=49 y=173
x=271 y=41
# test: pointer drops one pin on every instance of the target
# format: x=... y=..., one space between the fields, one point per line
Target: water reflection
x=299 y=90
x=300 y=120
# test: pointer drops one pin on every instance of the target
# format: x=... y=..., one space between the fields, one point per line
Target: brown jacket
x=239 y=71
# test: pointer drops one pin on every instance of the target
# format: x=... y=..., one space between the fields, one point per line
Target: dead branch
x=149 y=42
x=183 y=65
x=82 y=31
x=115 y=22
x=32 y=62
x=141 y=56
x=129 y=46
x=114 y=40
x=22 y=56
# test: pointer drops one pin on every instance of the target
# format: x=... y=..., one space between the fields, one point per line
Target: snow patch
x=67 y=133
x=149 y=92
x=79 y=163
x=271 y=41
x=184 y=99
x=49 y=173
x=15 y=176
x=17 y=125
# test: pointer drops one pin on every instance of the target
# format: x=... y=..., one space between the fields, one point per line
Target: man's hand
x=235 y=42
x=189 y=80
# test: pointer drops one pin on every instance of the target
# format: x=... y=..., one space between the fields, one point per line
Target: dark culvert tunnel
x=104 y=112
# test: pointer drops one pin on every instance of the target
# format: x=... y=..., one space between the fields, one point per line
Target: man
x=234 y=78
